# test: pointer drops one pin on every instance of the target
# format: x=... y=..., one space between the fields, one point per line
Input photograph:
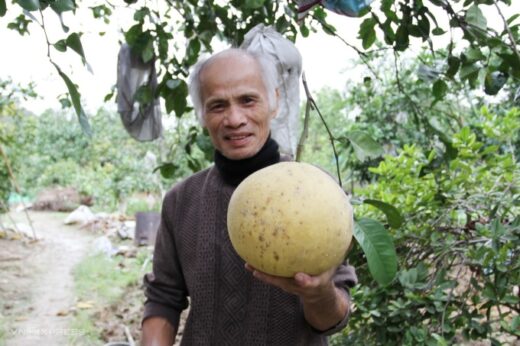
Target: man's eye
x=216 y=107
x=247 y=100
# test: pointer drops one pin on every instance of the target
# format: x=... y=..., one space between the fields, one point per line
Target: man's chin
x=239 y=154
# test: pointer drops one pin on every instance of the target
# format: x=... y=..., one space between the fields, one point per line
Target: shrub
x=458 y=249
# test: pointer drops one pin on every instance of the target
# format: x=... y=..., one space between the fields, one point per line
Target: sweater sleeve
x=344 y=278
x=165 y=288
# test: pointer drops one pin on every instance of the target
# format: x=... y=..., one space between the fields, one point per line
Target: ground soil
x=37 y=300
x=36 y=284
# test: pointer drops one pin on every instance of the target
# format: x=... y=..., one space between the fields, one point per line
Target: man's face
x=235 y=105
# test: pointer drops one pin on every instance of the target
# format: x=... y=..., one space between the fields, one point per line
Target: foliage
x=489 y=57
x=109 y=167
x=49 y=149
x=176 y=33
x=393 y=118
x=10 y=116
x=458 y=247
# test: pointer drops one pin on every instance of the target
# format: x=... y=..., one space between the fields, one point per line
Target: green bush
x=458 y=248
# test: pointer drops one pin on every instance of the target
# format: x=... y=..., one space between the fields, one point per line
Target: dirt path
x=36 y=283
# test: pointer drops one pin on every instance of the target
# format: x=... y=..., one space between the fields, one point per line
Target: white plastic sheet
x=285 y=126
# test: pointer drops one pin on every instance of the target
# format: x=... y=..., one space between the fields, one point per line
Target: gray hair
x=268 y=71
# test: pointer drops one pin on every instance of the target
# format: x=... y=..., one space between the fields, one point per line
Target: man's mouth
x=237 y=137
x=238 y=140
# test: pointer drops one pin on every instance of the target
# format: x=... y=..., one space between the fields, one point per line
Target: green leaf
x=475 y=18
x=424 y=26
x=140 y=42
x=388 y=32
x=60 y=6
x=367 y=33
x=133 y=34
x=167 y=170
x=144 y=95
x=175 y=95
x=512 y=18
x=439 y=89
x=438 y=31
x=364 y=145
x=3 y=8
x=20 y=24
x=76 y=102
x=494 y=81
x=408 y=278
x=515 y=323
x=453 y=66
x=304 y=30
x=29 y=5
x=473 y=54
x=148 y=52
x=204 y=143
x=141 y=14
x=469 y=73
x=394 y=217
x=73 y=42
x=254 y=4
x=65 y=102
x=402 y=39
x=379 y=249
x=192 y=51
x=60 y=46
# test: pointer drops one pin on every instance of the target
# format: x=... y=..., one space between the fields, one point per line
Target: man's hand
x=157 y=331
x=324 y=304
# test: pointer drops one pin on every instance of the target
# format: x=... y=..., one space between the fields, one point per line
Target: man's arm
x=165 y=288
x=157 y=331
x=324 y=305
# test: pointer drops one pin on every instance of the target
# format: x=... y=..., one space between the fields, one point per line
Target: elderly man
x=234 y=93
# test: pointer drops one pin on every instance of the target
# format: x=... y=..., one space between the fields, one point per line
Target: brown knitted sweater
x=194 y=257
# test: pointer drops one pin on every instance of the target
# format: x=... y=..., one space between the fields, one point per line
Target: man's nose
x=235 y=117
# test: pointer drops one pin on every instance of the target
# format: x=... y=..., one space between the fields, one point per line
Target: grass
x=101 y=281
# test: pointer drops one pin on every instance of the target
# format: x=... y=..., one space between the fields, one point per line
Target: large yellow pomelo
x=290 y=217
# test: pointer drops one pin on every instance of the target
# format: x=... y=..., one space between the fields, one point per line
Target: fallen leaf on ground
x=63 y=312
x=85 y=305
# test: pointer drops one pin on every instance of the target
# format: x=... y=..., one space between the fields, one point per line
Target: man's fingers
x=304 y=280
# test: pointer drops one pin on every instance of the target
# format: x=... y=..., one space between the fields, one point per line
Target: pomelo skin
x=288 y=218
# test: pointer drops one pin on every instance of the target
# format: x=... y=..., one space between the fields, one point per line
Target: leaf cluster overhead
x=176 y=33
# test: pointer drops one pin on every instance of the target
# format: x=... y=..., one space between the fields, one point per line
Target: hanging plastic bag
x=142 y=122
x=351 y=8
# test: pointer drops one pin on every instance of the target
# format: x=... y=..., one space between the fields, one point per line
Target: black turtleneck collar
x=234 y=171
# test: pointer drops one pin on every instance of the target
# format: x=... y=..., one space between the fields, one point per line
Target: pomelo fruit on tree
x=290 y=217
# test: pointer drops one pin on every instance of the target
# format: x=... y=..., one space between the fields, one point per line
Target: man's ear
x=276 y=103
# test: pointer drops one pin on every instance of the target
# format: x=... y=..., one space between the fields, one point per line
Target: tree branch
x=509 y=33
x=305 y=131
x=331 y=137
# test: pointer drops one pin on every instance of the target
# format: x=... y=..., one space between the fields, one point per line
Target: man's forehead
x=229 y=61
x=235 y=75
